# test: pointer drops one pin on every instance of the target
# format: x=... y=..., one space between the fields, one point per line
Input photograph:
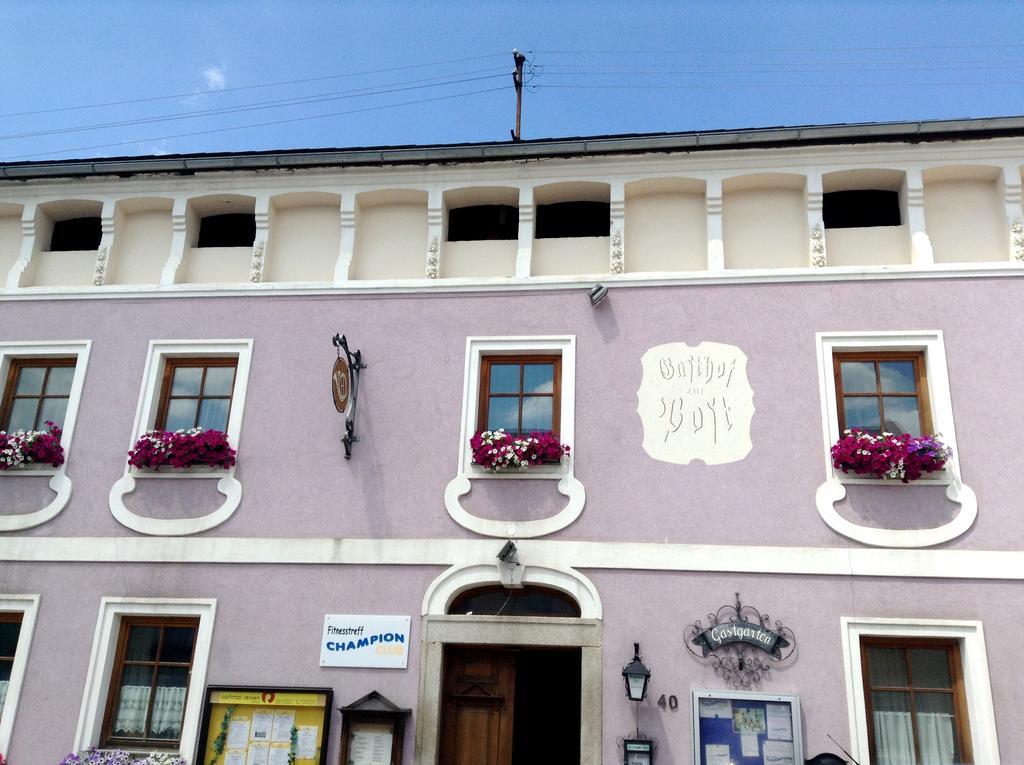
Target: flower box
x=501 y=452
x=27 y=447
x=94 y=756
x=182 y=449
x=888 y=456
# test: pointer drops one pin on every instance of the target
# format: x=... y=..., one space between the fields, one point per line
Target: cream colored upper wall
x=142 y=243
x=575 y=255
x=868 y=246
x=391 y=237
x=666 y=231
x=215 y=265
x=10 y=242
x=479 y=258
x=304 y=244
x=966 y=221
x=60 y=269
x=765 y=228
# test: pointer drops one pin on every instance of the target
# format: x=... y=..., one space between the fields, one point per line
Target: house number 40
x=673 y=702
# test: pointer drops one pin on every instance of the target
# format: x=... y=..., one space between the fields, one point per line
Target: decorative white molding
x=99 y=272
x=101 y=662
x=716 y=243
x=259 y=250
x=59 y=482
x=833 y=490
x=145 y=416
x=28 y=606
x=977 y=685
x=818 y=256
x=461 y=577
x=1017 y=240
x=524 y=247
x=568 y=485
x=179 y=241
x=28 y=246
x=617 y=263
x=433 y=259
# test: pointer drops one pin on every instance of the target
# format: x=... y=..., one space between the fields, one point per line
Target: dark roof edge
x=770 y=137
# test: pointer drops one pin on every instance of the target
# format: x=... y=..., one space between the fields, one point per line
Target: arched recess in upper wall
x=666 y=225
x=571 y=226
x=304 y=237
x=865 y=217
x=10 y=237
x=219 y=233
x=391 y=235
x=764 y=221
x=481 y=231
x=142 y=240
x=965 y=214
x=68 y=234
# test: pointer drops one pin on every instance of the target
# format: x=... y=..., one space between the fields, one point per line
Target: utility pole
x=517 y=79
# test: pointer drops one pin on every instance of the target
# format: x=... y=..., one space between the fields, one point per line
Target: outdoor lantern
x=636 y=675
x=638 y=751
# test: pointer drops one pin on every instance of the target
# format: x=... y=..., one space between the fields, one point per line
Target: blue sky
x=405 y=72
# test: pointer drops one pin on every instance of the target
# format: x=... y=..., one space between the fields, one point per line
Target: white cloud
x=215 y=79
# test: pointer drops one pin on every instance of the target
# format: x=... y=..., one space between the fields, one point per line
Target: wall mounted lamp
x=597 y=293
x=637 y=676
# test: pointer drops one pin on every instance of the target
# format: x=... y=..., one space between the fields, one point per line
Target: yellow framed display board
x=255 y=725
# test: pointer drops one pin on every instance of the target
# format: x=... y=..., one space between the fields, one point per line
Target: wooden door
x=479 y=701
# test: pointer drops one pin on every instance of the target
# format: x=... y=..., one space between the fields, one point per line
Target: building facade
x=765 y=290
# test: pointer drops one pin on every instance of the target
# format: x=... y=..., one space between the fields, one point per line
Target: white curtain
x=894 y=738
x=3 y=692
x=168 y=707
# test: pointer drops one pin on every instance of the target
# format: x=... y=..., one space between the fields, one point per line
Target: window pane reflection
x=859 y=376
x=861 y=412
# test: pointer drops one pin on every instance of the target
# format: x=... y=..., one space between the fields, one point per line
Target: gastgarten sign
x=741 y=632
x=365 y=641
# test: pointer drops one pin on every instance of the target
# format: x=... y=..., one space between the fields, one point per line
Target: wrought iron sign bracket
x=345 y=388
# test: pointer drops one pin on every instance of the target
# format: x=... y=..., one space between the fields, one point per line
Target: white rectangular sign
x=365 y=641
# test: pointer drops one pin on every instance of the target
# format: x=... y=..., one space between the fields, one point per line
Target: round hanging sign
x=340 y=384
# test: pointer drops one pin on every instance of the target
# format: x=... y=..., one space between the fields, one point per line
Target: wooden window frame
x=127 y=622
x=12 y=617
x=171 y=364
x=19 y=363
x=487 y=361
x=962 y=728
x=920 y=381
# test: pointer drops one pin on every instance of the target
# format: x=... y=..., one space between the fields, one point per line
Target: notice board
x=743 y=728
x=253 y=725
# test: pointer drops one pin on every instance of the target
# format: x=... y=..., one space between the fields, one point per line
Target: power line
x=830 y=49
x=721 y=86
x=256 y=124
x=251 y=87
x=575 y=69
x=258 y=106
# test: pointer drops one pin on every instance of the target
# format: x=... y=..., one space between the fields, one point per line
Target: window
x=149 y=682
x=76 y=234
x=37 y=391
x=229 y=230
x=10 y=630
x=572 y=219
x=520 y=394
x=483 y=222
x=196 y=392
x=879 y=391
x=860 y=208
x=914 y=701
x=530 y=600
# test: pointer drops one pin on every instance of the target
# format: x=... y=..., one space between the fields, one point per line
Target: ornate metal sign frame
x=743 y=644
x=354 y=360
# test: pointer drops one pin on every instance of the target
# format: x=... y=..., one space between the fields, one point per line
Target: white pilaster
x=617 y=243
x=348 y=238
x=28 y=245
x=435 y=232
x=1012 y=200
x=716 y=245
x=921 y=254
x=179 y=241
x=817 y=256
x=524 y=252
x=260 y=244
x=107 y=230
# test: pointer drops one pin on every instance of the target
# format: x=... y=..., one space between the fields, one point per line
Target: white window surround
x=60 y=484
x=28 y=605
x=977 y=687
x=145 y=417
x=101 y=663
x=833 y=490
x=568 y=485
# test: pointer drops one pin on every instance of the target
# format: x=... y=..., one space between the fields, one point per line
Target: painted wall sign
x=695 y=403
x=365 y=641
x=741 y=632
x=341 y=384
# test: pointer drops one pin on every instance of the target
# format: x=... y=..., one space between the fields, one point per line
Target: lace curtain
x=168 y=707
x=894 y=739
